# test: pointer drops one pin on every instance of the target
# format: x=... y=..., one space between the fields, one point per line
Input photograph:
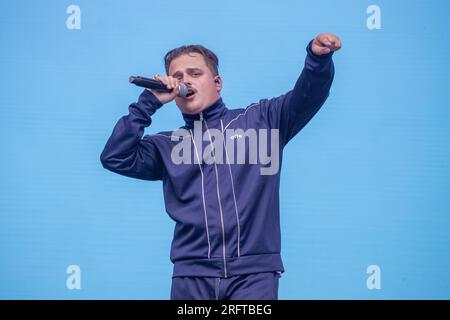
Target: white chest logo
x=236 y=136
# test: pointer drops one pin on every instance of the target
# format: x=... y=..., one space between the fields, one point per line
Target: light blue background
x=366 y=182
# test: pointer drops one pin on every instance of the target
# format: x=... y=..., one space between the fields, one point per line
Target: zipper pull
x=201 y=116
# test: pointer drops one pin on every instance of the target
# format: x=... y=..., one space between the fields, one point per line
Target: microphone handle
x=149 y=83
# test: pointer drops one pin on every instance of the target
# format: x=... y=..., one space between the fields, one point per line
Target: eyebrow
x=177 y=73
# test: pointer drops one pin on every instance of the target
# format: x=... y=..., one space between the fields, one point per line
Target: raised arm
x=293 y=110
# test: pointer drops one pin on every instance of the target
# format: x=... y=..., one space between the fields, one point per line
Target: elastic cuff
x=149 y=99
x=316 y=56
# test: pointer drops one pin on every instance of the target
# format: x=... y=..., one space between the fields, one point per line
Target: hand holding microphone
x=165 y=88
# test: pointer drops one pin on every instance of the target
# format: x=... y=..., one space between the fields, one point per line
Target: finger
x=162 y=79
x=176 y=90
x=332 y=39
x=337 y=42
x=165 y=81
x=173 y=82
x=318 y=46
x=169 y=82
x=323 y=41
x=176 y=84
x=337 y=45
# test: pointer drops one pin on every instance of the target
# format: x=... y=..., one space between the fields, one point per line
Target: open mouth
x=190 y=93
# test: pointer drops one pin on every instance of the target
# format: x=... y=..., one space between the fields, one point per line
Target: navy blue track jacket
x=226 y=214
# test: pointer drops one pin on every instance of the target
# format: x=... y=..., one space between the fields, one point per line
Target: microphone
x=157 y=85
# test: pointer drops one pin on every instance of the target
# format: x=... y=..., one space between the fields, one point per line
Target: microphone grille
x=183 y=90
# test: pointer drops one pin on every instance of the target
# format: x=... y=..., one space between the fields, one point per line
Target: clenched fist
x=325 y=43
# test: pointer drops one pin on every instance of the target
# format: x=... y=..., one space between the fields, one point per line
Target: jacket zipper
x=203 y=195
x=234 y=194
x=218 y=197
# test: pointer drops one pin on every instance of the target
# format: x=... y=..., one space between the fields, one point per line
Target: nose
x=187 y=80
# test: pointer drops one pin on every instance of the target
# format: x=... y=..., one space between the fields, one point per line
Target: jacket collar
x=213 y=112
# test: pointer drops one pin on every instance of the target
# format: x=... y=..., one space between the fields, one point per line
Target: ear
x=218 y=83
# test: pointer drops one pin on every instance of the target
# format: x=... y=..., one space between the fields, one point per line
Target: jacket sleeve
x=126 y=152
x=293 y=110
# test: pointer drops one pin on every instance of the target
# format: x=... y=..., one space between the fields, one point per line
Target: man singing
x=220 y=171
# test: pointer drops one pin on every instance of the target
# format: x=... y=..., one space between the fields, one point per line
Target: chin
x=190 y=109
